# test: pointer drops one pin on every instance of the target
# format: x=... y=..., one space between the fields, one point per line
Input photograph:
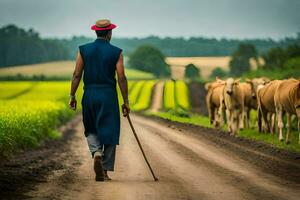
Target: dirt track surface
x=157 y=100
x=191 y=163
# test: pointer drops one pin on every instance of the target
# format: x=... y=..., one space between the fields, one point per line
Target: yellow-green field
x=30 y=112
x=60 y=69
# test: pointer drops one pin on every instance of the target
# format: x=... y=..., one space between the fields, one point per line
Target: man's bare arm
x=76 y=75
x=122 y=80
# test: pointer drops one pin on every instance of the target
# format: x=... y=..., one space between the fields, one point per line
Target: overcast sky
x=138 y=18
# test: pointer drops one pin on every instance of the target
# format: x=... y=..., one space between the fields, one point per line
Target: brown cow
x=214 y=91
x=287 y=99
x=233 y=98
x=250 y=89
x=266 y=105
x=249 y=103
x=255 y=83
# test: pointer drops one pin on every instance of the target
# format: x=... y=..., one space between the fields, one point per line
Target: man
x=100 y=108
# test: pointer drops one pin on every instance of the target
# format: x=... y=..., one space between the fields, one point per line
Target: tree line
x=181 y=47
x=20 y=47
x=283 y=62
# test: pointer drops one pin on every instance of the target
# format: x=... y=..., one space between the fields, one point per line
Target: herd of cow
x=231 y=101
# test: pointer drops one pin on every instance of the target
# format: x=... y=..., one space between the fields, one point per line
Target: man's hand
x=73 y=103
x=125 y=109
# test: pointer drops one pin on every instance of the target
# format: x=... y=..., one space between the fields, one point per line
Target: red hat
x=103 y=24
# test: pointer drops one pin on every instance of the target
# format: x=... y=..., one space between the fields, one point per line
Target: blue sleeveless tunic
x=100 y=106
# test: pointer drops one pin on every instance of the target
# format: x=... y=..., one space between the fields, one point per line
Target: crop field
x=135 y=92
x=176 y=95
x=11 y=90
x=144 y=100
x=61 y=69
x=169 y=96
x=30 y=112
x=182 y=94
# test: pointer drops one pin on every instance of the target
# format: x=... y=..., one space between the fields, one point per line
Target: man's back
x=99 y=58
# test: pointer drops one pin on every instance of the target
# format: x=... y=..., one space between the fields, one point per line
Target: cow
x=249 y=103
x=287 y=99
x=266 y=105
x=214 y=91
x=250 y=99
x=233 y=98
x=255 y=83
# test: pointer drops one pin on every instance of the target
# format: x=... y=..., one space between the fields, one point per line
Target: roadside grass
x=192 y=119
x=273 y=139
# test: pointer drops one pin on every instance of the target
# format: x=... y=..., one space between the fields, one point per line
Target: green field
x=176 y=95
x=57 y=70
x=31 y=112
x=182 y=95
x=144 y=100
x=169 y=96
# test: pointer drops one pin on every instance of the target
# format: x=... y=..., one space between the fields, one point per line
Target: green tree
x=274 y=58
x=19 y=47
x=240 y=59
x=293 y=64
x=191 y=71
x=218 y=72
x=291 y=68
x=149 y=59
x=277 y=57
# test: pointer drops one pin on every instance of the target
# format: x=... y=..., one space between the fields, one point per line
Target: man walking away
x=100 y=60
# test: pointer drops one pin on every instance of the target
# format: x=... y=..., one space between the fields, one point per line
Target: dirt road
x=189 y=163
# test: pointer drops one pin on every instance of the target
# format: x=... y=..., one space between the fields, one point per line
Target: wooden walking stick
x=138 y=141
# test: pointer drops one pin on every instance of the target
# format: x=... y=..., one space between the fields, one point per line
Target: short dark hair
x=103 y=33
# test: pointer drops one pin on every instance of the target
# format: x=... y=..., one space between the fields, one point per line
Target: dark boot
x=98 y=168
x=106 y=177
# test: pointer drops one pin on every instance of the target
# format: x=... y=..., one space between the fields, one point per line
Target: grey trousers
x=107 y=151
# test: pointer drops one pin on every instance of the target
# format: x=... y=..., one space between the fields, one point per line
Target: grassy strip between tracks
x=252 y=134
